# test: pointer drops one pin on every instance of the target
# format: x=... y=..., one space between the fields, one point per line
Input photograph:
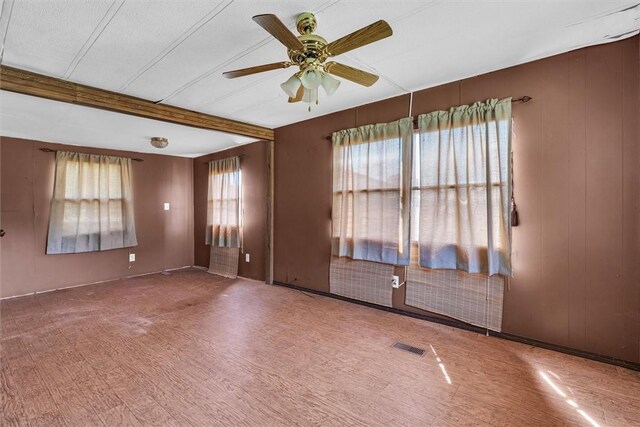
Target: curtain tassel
x=514 y=208
x=514 y=216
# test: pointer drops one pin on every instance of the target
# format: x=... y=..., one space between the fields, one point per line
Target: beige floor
x=196 y=349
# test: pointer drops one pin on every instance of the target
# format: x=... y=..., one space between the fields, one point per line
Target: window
x=371 y=167
x=458 y=185
x=92 y=206
x=224 y=203
x=461 y=188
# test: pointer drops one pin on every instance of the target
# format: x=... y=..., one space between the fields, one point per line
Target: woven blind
x=474 y=298
x=224 y=261
x=362 y=280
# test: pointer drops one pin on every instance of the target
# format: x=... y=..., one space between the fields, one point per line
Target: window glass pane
x=224 y=211
x=83 y=197
x=374 y=166
x=115 y=215
x=115 y=181
x=71 y=188
x=415 y=193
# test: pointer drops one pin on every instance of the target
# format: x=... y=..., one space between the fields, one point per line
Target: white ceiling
x=175 y=51
x=23 y=116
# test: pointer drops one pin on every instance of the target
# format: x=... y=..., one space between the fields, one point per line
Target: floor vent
x=410 y=348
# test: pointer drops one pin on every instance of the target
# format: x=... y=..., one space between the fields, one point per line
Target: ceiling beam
x=28 y=83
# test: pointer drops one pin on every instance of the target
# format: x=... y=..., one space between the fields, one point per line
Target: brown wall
x=254 y=199
x=577 y=184
x=165 y=238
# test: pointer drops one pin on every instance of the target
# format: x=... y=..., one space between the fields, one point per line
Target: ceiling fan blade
x=369 y=34
x=350 y=73
x=277 y=29
x=299 y=95
x=257 y=69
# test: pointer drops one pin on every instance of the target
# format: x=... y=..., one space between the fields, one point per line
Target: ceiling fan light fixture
x=291 y=86
x=311 y=78
x=310 y=96
x=329 y=84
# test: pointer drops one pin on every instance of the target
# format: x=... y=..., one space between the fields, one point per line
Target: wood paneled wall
x=165 y=238
x=254 y=199
x=577 y=185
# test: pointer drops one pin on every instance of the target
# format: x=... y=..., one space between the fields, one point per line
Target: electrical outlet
x=166 y=206
x=132 y=257
x=247 y=257
x=395 y=282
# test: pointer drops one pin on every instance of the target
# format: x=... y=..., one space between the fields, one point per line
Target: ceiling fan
x=310 y=52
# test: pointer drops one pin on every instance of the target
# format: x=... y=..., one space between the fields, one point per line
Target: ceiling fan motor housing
x=314 y=45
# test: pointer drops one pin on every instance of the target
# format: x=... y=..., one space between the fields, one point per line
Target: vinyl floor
x=192 y=348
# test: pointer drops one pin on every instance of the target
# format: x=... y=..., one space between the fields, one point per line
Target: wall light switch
x=247 y=257
x=132 y=257
x=166 y=206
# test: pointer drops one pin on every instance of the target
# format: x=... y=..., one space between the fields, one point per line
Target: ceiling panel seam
x=220 y=7
x=218 y=67
x=7 y=10
x=95 y=35
x=398 y=19
x=376 y=71
x=603 y=15
x=418 y=9
x=326 y=5
x=240 y=55
x=623 y=35
x=235 y=92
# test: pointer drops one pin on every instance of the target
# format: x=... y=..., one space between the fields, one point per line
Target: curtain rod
x=242 y=156
x=49 y=150
x=523 y=99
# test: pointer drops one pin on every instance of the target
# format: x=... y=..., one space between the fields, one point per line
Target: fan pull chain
x=317 y=103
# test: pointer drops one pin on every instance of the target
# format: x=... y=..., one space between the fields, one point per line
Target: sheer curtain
x=92 y=205
x=223 y=209
x=371 y=187
x=462 y=179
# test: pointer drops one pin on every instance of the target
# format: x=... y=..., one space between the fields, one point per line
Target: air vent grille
x=409 y=348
